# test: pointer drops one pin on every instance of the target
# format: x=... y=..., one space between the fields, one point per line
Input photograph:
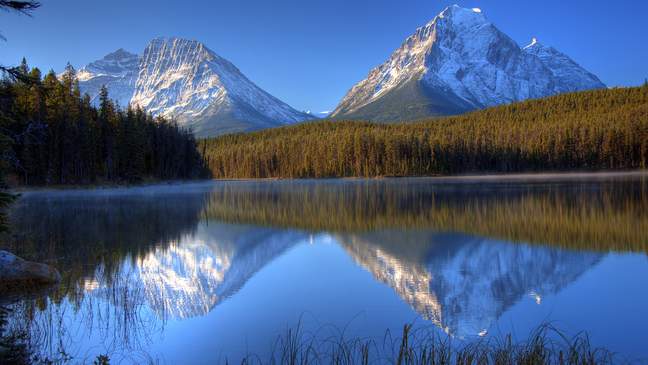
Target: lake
x=207 y=272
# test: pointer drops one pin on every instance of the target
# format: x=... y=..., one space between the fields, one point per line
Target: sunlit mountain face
x=218 y=264
x=460 y=61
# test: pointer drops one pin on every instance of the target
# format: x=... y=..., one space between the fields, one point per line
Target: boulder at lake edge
x=14 y=272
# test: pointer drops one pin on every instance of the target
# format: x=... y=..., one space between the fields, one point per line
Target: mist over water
x=223 y=268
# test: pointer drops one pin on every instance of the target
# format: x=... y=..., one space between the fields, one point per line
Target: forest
x=53 y=135
x=591 y=130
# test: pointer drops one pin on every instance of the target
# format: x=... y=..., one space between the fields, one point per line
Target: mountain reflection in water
x=460 y=255
x=462 y=283
x=190 y=277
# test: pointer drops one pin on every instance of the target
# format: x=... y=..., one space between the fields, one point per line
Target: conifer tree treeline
x=24 y=7
x=55 y=136
x=600 y=129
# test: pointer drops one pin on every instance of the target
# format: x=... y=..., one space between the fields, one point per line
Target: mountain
x=118 y=71
x=459 y=62
x=184 y=80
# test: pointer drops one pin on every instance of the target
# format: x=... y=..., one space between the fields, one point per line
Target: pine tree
x=5 y=198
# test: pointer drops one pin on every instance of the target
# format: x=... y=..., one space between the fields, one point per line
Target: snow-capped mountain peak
x=461 y=15
x=457 y=62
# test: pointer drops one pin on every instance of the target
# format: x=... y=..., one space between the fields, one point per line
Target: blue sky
x=310 y=52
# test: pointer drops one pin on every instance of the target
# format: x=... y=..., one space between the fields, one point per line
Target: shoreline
x=22 y=190
x=553 y=176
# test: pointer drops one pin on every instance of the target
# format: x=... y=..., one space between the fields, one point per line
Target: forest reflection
x=608 y=214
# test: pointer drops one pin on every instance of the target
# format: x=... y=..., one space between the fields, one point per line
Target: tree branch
x=24 y=7
x=16 y=73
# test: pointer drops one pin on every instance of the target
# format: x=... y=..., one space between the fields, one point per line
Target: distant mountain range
x=456 y=63
x=184 y=80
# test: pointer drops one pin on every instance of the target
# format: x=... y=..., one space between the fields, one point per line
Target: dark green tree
x=24 y=7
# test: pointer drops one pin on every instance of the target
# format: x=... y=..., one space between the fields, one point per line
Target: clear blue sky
x=310 y=52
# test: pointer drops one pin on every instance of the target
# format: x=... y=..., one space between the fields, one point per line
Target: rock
x=15 y=272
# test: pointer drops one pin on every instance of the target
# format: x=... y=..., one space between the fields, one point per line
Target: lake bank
x=107 y=188
x=469 y=178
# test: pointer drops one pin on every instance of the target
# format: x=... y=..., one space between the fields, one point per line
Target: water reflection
x=79 y=232
x=460 y=255
x=595 y=214
x=190 y=277
x=463 y=283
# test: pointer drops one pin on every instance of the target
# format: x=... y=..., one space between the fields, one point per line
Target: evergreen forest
x=593 y=130
x=54 y=135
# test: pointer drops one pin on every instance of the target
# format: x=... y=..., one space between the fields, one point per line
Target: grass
x=546 y=345
x=13 y=348
x=412 y=346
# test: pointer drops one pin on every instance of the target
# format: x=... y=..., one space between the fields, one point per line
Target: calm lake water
x=204 y=272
